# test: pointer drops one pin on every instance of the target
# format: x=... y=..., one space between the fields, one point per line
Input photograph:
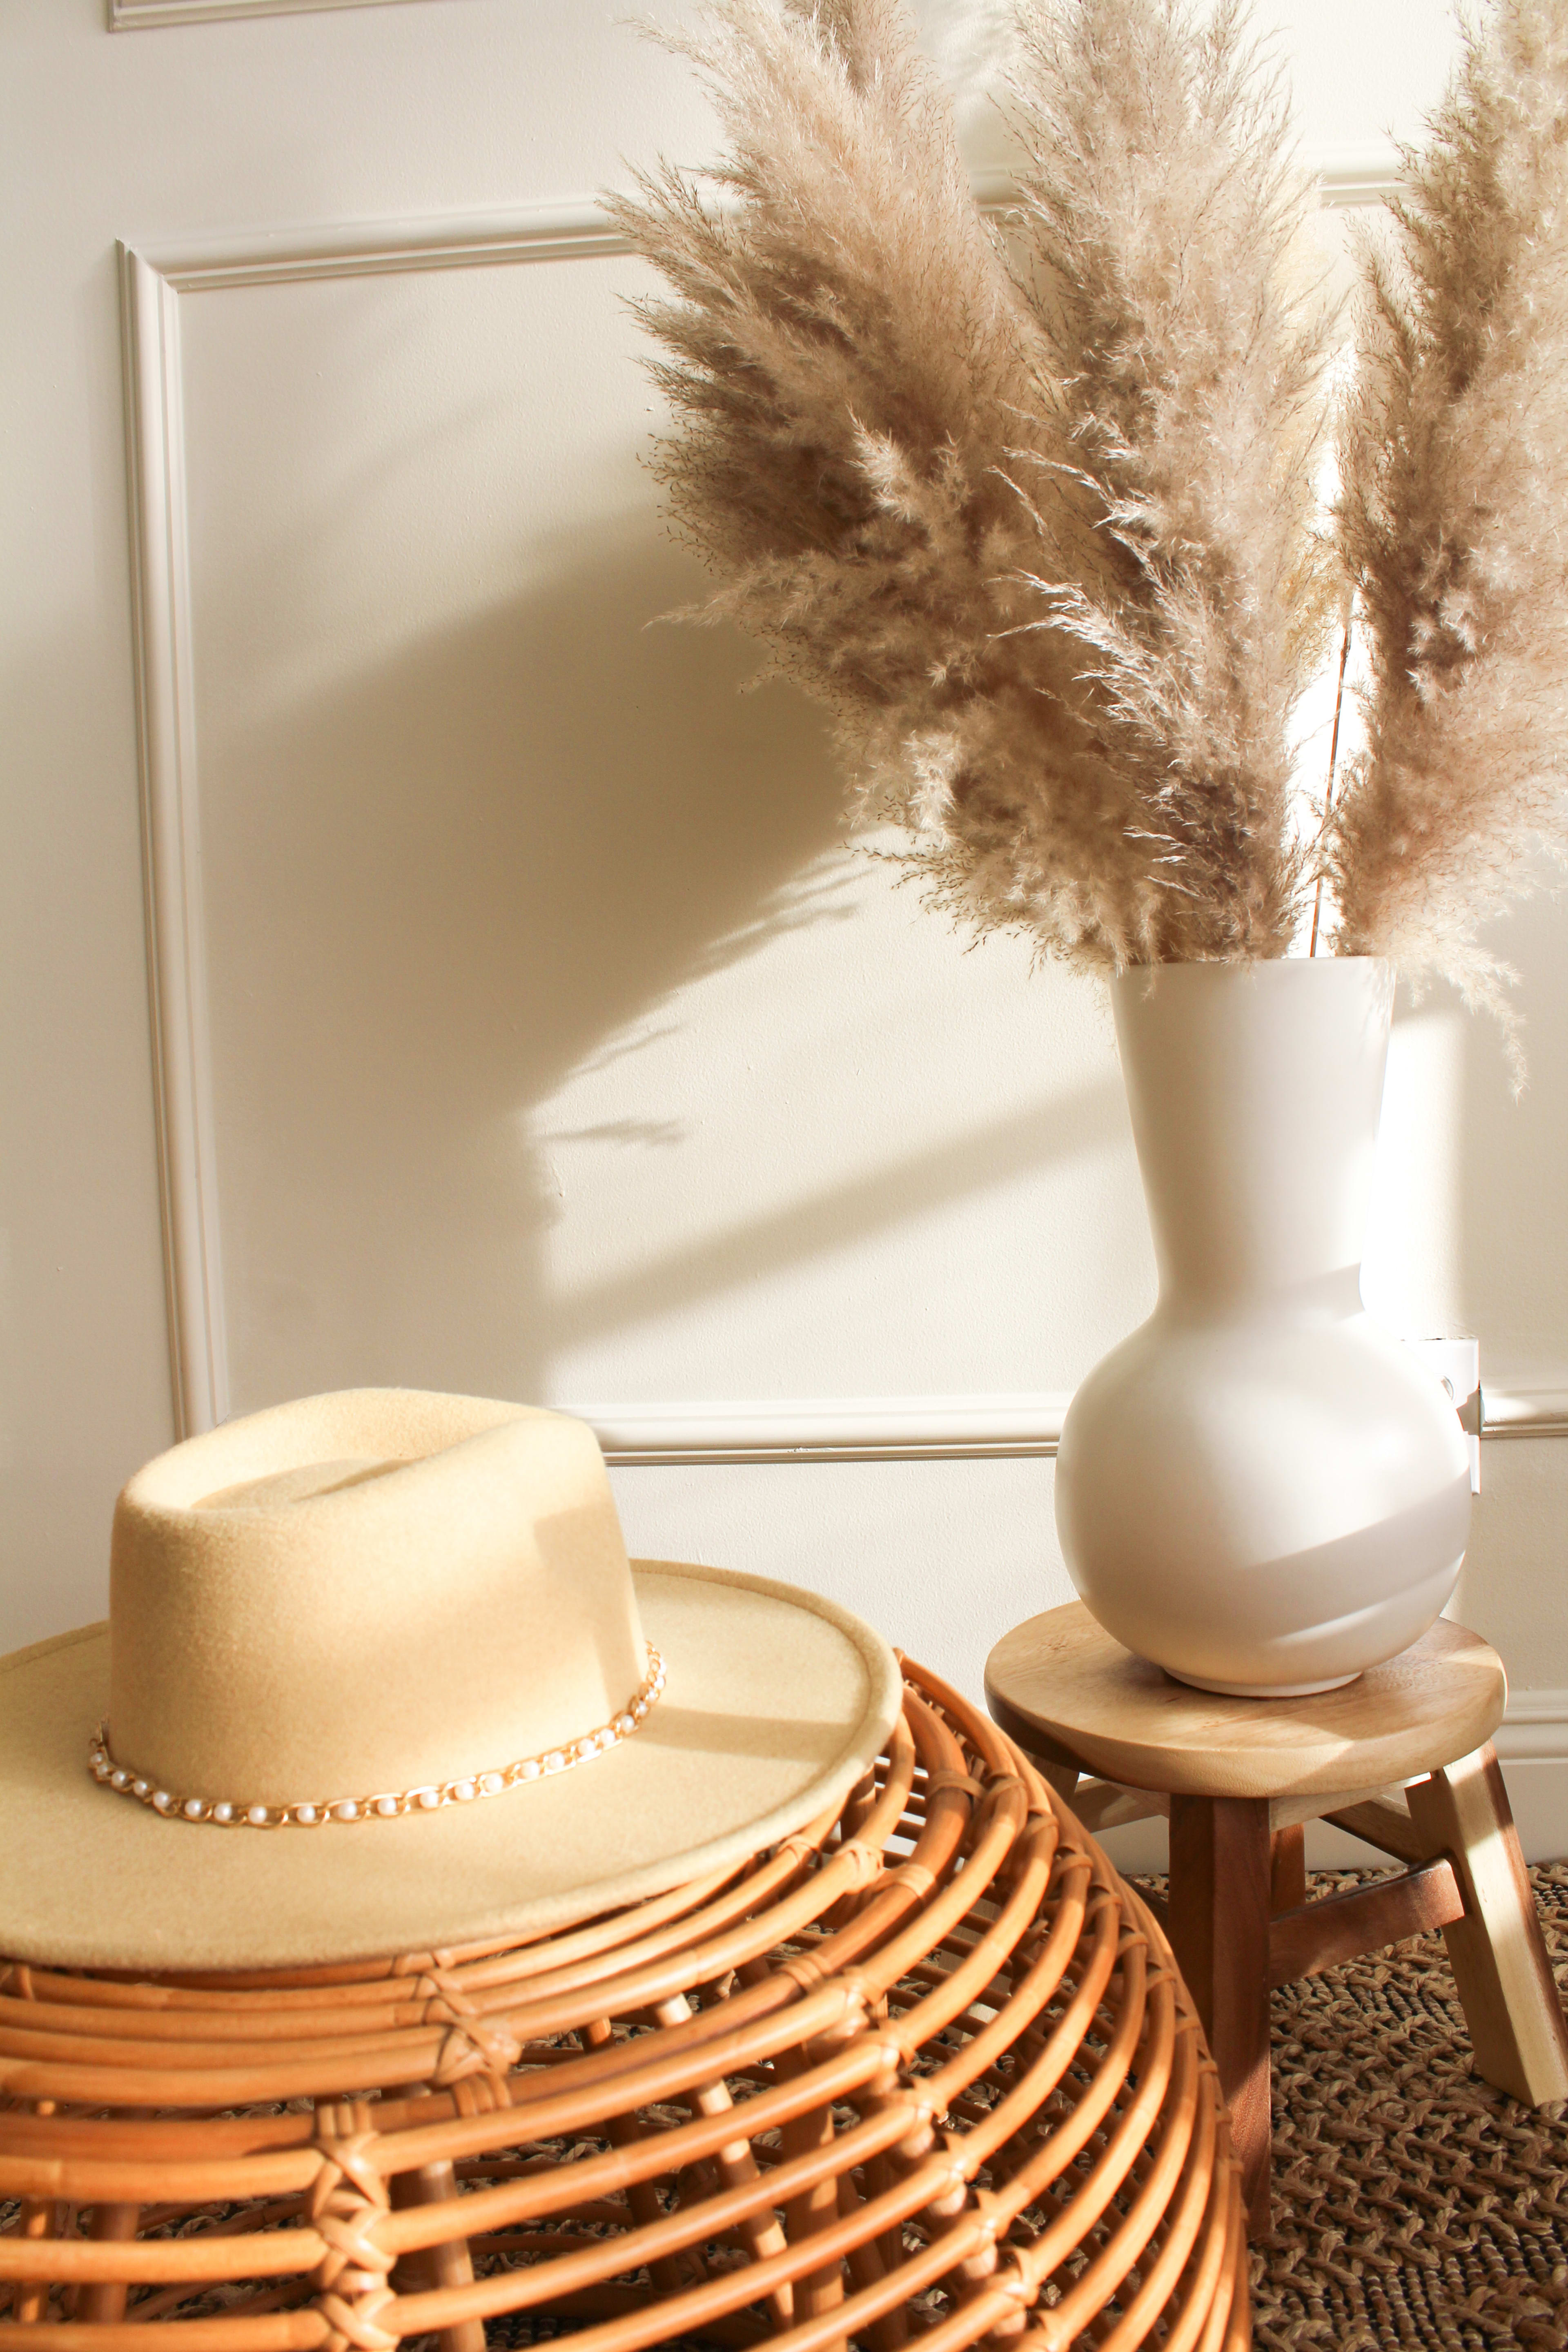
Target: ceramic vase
x=1260 y=1490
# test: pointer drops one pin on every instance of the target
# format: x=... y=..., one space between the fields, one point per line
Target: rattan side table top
x=922 y=2071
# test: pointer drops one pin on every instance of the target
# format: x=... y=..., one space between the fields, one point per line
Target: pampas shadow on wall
x=430 y=892
x=435 y=890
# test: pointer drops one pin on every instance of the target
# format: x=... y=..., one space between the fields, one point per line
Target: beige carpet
x=1414 y=2205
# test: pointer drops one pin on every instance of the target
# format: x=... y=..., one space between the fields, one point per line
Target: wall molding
x=829 y=1429
x=1524 y=1412
x=917 y=1429
x=154 y=284
x=1345 y=176
x=1534 y=1729
x=165 y=718
x=568 y=229
x=129 y=16
x=1350 y=176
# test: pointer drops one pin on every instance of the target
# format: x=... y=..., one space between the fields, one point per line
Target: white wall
x=548 y=1043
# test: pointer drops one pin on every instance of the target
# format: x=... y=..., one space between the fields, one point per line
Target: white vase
x=1261 y=1490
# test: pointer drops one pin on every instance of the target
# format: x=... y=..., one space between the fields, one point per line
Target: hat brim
x=777 y=1701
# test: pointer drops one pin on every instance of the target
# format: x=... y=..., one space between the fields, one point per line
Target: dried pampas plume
x=1033 y=511
x=1453 y=513
x=1040 y=535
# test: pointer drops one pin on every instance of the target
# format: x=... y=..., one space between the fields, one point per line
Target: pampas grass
x=1453 y=518
x=1046 y=564
x=1036 y=519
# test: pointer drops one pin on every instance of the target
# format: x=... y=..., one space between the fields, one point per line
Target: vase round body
x=1260 y=1490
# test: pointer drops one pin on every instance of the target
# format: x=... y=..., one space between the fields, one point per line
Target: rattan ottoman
x=926 y=2070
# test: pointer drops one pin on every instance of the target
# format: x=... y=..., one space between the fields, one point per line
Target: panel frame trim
x=135 y=16
x=154 y=283
x=913 y=1429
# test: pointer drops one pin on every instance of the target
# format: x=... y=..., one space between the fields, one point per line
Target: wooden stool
x=1239 y=1778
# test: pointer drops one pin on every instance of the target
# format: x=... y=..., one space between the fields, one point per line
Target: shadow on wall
x=436 y=890
x=1083 y=1119
x=1515 y=1200
x=430 y=895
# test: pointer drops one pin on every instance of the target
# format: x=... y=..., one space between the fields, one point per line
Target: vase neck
x=1255 y=1091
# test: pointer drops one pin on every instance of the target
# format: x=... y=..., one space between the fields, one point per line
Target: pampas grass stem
x=1334 y=761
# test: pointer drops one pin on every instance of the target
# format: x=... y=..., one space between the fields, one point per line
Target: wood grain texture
x=1317 y=1935
x=1045 y=1749
x=1379 y=1821
x=1287 y=1867
x=1062 y=1678
x=1498 y=1957
x=1102 y=1805
x=1218 y=1925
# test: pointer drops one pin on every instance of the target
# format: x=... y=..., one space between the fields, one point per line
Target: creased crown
x=372 y=1589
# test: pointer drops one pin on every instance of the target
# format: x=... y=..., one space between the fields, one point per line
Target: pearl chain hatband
x=226 y=1813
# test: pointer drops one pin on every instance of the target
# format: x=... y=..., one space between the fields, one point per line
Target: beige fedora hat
x=379 y=1678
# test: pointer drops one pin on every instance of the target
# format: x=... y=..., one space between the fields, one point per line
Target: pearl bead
x=571 y=1752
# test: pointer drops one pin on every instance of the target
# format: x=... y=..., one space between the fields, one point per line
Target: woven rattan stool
x=1240 y=1777
x=926 y=2070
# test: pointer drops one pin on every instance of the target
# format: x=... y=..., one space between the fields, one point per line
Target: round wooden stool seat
x=1060 y=1675
x=924 y=2070
x=1240 y=1777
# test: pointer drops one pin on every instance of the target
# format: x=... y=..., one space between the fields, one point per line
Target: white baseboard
x=1532 y=1747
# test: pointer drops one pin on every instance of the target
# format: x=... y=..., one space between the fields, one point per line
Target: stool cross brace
x=1240 y=1923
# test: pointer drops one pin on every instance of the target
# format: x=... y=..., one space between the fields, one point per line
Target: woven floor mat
x=1412 y=2204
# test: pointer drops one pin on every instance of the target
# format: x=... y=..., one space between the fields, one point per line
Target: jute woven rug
x=1414 y=2205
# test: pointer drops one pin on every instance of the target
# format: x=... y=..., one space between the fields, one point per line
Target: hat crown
x=374 y=1590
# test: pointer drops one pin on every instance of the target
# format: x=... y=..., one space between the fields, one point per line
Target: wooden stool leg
x=1499 y=1959
x=1288 y=1869
x=1220 y=1856
x=439 y=2266
x=104 y=2300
